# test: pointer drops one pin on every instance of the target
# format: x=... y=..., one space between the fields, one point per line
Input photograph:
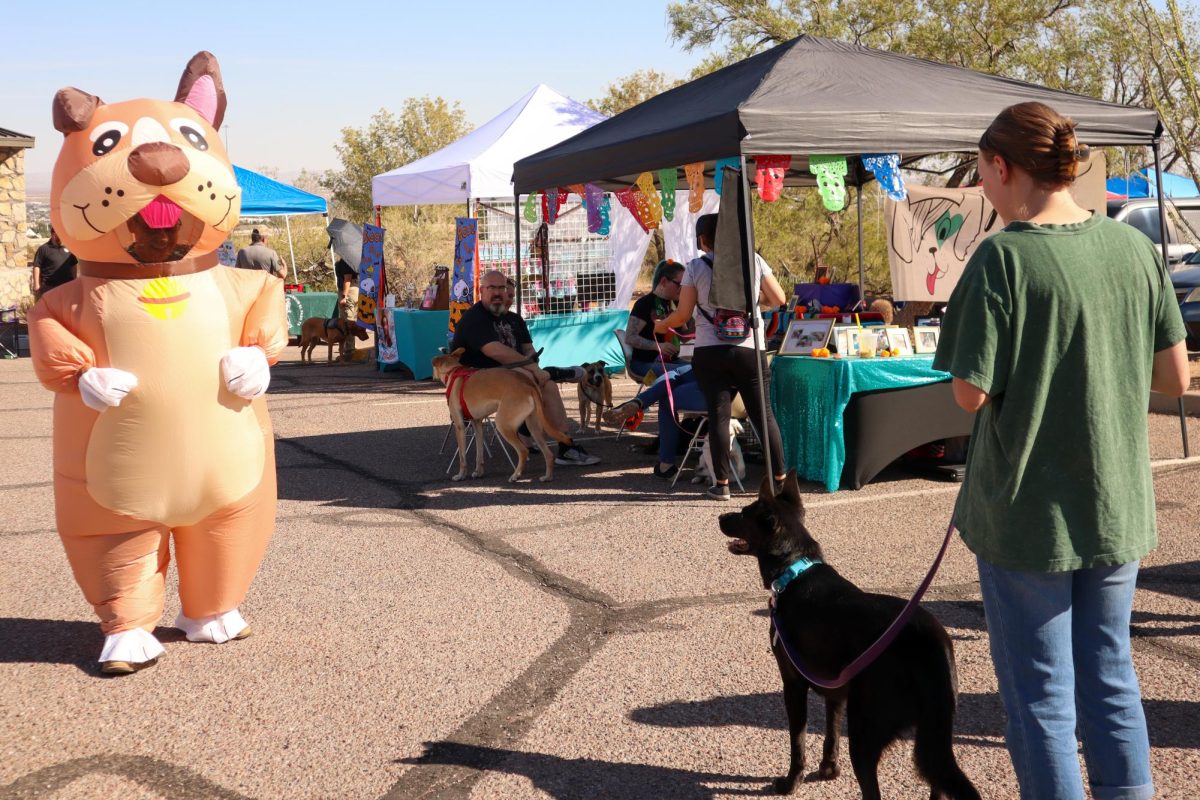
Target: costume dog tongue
x=159 y=360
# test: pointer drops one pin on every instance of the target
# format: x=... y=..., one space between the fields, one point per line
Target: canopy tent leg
x=862 y=295
x=517 y=253
x=332 y=255
x=756 y=324
x=291 y=250
x=1162 y=232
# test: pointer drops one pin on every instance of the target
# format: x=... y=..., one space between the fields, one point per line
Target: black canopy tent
x=814 y=96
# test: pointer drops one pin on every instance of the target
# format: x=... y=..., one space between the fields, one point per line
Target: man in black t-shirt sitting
x=493 y=336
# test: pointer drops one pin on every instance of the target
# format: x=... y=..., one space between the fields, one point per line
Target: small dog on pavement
x=737 y=462
x=511 y=395
x=828 y=622
x=320 y=330
x=595 y=388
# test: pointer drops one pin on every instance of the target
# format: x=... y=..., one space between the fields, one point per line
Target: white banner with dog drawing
x=932 y=233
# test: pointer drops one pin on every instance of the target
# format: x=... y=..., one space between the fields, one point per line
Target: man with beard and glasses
x=493 y=336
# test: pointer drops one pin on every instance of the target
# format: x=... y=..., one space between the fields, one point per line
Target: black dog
x=828 y=622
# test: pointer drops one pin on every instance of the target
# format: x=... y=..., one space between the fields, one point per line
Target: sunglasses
x=677 y=283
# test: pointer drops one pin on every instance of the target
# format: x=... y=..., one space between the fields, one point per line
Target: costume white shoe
x=215 y=629
x=129 y=651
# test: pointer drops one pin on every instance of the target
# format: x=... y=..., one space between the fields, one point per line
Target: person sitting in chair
x=686 y=395
x=493 y=336
x=639 y=331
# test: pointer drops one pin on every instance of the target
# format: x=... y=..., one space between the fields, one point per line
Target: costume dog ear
x=202 y=89
x=73 y=110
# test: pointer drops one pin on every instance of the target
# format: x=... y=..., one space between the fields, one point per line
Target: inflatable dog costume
x=158 y=358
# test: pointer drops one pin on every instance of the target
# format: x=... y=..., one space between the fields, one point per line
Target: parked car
x=1183 y=222
x=1186 y=281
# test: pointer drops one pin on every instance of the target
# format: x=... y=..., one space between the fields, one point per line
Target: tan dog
x=512 y=396
x=595 y=388
x=314 y=332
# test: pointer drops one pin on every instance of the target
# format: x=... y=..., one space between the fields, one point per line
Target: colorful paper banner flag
x=769 y=174
x=831 y=179
x=629 y=198
x=649 y=206
x=694 y=174
x=668 y=181
x=886 y=168
x=530 y=212
x=719 y=170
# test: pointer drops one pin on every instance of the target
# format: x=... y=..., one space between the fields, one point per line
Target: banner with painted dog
x=932 y=233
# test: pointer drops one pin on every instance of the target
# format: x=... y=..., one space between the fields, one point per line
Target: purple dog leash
x=863 y=661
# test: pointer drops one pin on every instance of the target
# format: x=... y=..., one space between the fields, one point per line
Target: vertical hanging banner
x=370 y=274
x=462 y=282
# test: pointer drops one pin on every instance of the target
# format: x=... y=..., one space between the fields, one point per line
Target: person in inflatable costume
x=159 y=360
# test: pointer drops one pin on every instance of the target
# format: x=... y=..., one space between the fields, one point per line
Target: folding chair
x=488 y=427
x=697 y=447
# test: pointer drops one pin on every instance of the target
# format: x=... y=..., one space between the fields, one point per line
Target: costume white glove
x=102 y=387
x=246 y=372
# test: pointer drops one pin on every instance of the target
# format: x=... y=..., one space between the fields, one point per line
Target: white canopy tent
x=480 y=165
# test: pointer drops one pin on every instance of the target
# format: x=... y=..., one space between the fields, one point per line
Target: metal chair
x=489 y=427
x=696 y=446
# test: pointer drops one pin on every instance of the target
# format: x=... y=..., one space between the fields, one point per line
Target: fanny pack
x=729 y=326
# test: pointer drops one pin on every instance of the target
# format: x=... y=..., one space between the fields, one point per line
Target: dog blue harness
x=794 y=570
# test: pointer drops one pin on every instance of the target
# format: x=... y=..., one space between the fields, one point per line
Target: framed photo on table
x=803 y=335
x=925 y=338
x=898 y=339
x=846 y=339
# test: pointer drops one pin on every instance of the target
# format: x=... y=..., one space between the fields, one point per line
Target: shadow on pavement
x=587 y=778
x=1181 y=580
x=57 y=641
x=979 y=720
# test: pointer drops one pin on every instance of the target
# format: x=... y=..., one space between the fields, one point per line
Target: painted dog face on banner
x=145 y=181
x=932 y=235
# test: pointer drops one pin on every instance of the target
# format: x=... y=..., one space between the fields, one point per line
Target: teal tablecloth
x=305 y=305
x=572 y=339
x=810 y=394
x=568 y=339
x=419 y=334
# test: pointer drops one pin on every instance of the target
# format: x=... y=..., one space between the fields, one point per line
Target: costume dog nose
x=158 y=164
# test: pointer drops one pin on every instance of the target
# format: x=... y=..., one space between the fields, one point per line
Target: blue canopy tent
x=1142 y=184
x=264 y=197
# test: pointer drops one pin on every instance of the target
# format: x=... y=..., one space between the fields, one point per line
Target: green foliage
x=423 y=126
x=1123 y=51
x=635 y=88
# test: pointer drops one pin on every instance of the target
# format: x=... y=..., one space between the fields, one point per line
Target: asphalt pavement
x=586 y=638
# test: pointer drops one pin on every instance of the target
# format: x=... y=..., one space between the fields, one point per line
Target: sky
x=298 y=72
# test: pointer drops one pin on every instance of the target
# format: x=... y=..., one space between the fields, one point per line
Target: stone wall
x=12 y=207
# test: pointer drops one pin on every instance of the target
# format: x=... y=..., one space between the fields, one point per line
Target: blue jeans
x=643 y=367
x=688 y=397
x=1060 y=643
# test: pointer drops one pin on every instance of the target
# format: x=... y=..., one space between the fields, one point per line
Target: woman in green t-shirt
x=1061 y=325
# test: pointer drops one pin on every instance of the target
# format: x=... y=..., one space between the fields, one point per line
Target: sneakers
x=669 y=472
x=575 y=456
x=618 y=414
x=718 y=492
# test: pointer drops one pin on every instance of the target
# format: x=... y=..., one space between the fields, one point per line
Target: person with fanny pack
x=724 y=358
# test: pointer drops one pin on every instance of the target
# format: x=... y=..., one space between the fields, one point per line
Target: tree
x=423 y=126
x=1124 y=51
x=1168 y=67
x=637 y=87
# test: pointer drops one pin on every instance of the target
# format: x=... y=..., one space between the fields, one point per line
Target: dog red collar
x=460 y=374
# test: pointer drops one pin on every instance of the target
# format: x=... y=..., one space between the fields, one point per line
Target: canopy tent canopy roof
x=263 y=197
x=480 y=164
x=1143 y=184
x=813 y=96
